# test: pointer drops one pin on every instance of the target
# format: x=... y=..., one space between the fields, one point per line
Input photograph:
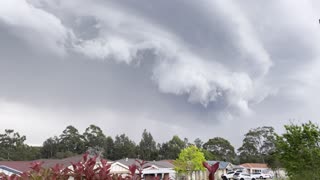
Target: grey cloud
x=181 y=62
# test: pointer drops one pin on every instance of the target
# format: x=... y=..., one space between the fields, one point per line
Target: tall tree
x=147 y=147
x=72 y=141
x=220 y=148
x=172 y=148
x=298 y=150
x=50 y=147
x=94 y=139
x=257 y=145
x=124 y=147
x=190 y=159
x=109 y=149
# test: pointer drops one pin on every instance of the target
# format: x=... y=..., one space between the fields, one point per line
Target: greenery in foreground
x=297 y=150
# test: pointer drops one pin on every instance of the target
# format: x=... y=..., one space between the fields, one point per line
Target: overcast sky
x=197 y=69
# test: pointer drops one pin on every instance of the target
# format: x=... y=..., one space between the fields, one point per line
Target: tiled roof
x=17 y=165
x=23 y=166
x=222 y=164
x=254 y=165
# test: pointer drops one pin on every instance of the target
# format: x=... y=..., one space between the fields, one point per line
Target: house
x=256 y=167
x=161 y=169
x=224 y=167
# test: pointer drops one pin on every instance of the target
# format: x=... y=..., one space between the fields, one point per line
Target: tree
x=109 y=149
x=124 y=147
x=50 y=147
x=298 y=150
x=190 y=159
x=220 y=148
x=11 y=144
x=70 y=140
x=147 y=147
x=94 y=139
x=12 y=147
x=257 y=145
x=172 y=148
x=208 y=155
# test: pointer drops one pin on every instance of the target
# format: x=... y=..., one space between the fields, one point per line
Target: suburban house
x=256 y=167
x=161 y=169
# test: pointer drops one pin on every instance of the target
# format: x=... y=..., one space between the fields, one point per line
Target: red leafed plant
x=212 y=169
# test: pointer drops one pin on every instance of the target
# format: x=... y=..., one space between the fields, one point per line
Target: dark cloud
x=197 y=69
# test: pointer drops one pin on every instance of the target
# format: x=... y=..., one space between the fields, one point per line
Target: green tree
x=124 y=147
x=71 y=141
x=147 y=147
x=109 y=149
x=221 y=149
x=94 y=139
x=190 y=159
x=172 y=148
x=11 y=145
x=208 y=155
x=257 y=145
x=50 y=148
x=298 y=150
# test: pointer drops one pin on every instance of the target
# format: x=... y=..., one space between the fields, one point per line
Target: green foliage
x=94 y=138
x=147 y=147
x=108 y=148
x=190 y=159
x=71 y=140
x=221 y=149
x=50 y=147
x=12 y=147
x=124 y=147
x=172 y=148
x=257 y=145
x=298 y=150
x=208 y=155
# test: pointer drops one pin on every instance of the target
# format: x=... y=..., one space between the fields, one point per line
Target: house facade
x=256 y=167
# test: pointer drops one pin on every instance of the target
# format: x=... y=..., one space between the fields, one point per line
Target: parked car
x=242 y=176
x=228 y=176
x=261 y=175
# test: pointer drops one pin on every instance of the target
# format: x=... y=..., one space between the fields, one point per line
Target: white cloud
x=38 y=27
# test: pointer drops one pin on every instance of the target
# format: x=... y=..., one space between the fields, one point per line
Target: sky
x=196 y=69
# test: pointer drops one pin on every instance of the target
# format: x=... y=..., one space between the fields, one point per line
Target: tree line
x=70 y=142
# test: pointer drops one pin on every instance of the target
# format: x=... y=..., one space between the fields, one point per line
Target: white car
x=261 y=176
x=228 y=176
x=242 y=176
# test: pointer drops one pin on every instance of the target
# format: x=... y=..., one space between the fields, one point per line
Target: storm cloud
x=167 y=66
